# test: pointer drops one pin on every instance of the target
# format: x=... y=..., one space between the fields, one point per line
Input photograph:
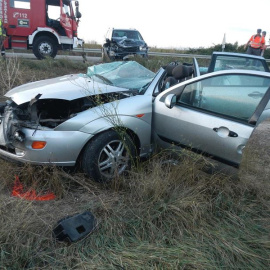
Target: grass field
x=162 y=216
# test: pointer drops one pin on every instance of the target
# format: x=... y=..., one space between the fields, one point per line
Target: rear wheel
x=108 y=155
x=44 y=46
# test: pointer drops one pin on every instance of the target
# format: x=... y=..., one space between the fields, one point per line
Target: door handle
x=233 y=134
x=225 y=132
x=256 y=94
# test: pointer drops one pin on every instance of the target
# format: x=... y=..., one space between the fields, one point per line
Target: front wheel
x=108 y=155
x=145 y=56
x=44 y=46
x=105 y=57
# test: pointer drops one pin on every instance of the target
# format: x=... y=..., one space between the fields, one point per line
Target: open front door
x=214 y=115
x=66 y=17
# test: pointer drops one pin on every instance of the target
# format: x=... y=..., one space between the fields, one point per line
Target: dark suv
x=123 y=43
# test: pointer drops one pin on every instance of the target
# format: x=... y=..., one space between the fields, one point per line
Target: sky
x=176 y=23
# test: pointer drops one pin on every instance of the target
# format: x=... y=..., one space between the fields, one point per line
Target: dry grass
x=164 y=215
x=16 y=71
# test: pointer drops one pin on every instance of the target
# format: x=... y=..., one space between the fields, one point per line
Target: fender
x=43 y=29
x=139 y=127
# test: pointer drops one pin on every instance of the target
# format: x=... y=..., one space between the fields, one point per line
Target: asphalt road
x=92 y=59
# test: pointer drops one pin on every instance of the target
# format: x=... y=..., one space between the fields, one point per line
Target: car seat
x=176 y=74
x=170 y=80
x=182 y=72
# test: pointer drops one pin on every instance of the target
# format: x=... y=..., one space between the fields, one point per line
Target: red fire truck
x=45 y=26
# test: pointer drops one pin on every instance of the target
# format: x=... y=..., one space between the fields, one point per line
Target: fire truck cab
x=45 y=26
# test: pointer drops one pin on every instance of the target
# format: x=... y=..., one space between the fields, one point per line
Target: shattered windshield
x=124 y=74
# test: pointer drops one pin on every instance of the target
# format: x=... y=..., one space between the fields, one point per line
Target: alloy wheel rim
x=113 y=159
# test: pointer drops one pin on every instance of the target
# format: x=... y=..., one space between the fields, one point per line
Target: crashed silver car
x=80 y=118
x=122 y=110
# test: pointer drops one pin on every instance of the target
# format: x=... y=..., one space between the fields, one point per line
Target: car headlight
x=114 y=48
x=143 y=48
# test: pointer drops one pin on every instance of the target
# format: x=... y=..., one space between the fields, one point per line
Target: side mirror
x=170 y=101
x=78 y=13
x=107 y=40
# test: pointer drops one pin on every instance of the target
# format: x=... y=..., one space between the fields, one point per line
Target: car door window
x=234 y=62
x=235 y=96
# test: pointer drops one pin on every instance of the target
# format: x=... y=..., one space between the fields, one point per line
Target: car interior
x=176 y=73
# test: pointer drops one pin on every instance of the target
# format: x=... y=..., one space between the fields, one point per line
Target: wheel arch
x=46 y=33
x=133 y=136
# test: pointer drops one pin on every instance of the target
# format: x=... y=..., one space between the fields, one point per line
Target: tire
x=145 y=56
x=44 y=46
x=105 y=56
x=108 y=155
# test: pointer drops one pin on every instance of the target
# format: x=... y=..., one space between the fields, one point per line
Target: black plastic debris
x=74 y=228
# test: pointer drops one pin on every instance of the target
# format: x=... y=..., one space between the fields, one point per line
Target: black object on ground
x=74 y=228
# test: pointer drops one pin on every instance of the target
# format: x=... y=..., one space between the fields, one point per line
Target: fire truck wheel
x=44 y=46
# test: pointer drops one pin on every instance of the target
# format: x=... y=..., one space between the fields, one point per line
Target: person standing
x=263 y=46
x=255 y=43
x=2 y=38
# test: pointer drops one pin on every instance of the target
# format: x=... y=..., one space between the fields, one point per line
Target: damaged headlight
x=2 y=109
x=143 y=48
x=19 y=136
x=114 y=47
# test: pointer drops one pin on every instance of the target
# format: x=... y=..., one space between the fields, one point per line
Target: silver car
x=121 y=110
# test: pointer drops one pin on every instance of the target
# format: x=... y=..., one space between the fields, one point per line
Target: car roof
x=125 y=29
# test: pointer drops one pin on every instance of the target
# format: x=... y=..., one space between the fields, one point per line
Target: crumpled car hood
x=105 y=78
x=68 y=87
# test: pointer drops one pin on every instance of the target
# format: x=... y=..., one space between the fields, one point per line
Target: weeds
x=10 y=74
x=164 y=216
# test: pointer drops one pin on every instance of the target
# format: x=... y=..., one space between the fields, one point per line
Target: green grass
x=162 y=216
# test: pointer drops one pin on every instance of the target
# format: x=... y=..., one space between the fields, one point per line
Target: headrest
x=169 y=69
x=189 y=70
x=182 y=71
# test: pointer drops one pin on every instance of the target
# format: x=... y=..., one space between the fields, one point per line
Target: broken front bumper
x=124 y=55
x=62 y=148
